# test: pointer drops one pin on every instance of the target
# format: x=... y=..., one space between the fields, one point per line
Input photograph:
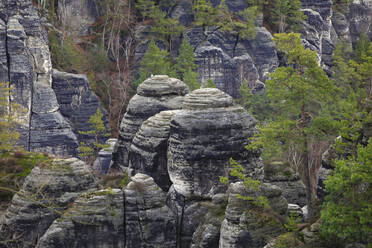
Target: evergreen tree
x=190 y=78
x=98 y=130
x=286 y=15
x=300 y=93
x=256 y=104
x=185 y=60
x=361 y=47
x=347 y=210
x=210 y=84
x=154 y=62
x=205 y=13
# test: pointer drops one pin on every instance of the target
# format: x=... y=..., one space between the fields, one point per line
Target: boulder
x=148 y=152
x=245 y=225
x=203 y=137
x=95 y=219
x=46 y=193
x=156 y=94
x=148 y=221
x=283 y=176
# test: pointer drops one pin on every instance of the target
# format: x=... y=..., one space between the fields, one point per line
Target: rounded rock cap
x=161 y=85
x=207 y=98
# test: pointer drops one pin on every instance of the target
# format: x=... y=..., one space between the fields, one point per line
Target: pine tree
x=286 y=15
x=361 y=47
x=347 y=210
x=300 y=93
x=98 y=130
x=205 y=13
x=190 y=78
x=154 y=62
x=210 y=84
x=185 y=60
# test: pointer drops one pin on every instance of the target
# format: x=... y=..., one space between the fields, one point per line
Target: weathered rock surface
x=104 y=161
x=26 y=64
x=46 y=193
x=154 y=95
x=228 y=63
x=148 y=152
x=77 y=103
x=281 y=175
x=77 y=16
x=203 y=136
x=95 y=219
x=149 y=222
x=244 y=226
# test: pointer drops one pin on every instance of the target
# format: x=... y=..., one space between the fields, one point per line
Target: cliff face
x=25 y=63
x=229 y=62
x=174 y=197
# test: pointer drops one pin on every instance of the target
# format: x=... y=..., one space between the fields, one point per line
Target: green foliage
x=210 y=84
x=205 y=13
x=162 y=26
x=185 y=60
x=286 y=15
x=98 y=130
x=347 y=210
x=190 y=78
x=250 y=184
x=256 y=104
x=14 y=167
x=287 y=240
x=300 y=94
x=65 y=54
x=154 y=62
x=185 y=65
x=361 y=47
x=11 y=115
x=241 y=24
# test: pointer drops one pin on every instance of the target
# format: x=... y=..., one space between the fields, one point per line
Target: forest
x=313 y=113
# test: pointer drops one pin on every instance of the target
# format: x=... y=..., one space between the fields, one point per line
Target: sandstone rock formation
x=95 y=219
x=245 y=228
x=281 y=175
x=175 y=197
x=46 y=193
x=77 y=16
x=203 y=136
x=77 y=103
x=154 y=95
x=25 y=63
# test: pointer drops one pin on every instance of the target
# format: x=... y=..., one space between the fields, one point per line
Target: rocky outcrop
x=281 y=175
x=95 y=219
x=46 y=193
x=77 y=16
x=148 y=152
x=247 y=226
x=25 y=63
x=154 y=95
x=149 y=222
x=222 y=131
x=229 y=62
x=103 y=163
x=77 y=103
x=27 y=66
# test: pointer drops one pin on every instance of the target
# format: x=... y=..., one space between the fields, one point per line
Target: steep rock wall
x=25 y=63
